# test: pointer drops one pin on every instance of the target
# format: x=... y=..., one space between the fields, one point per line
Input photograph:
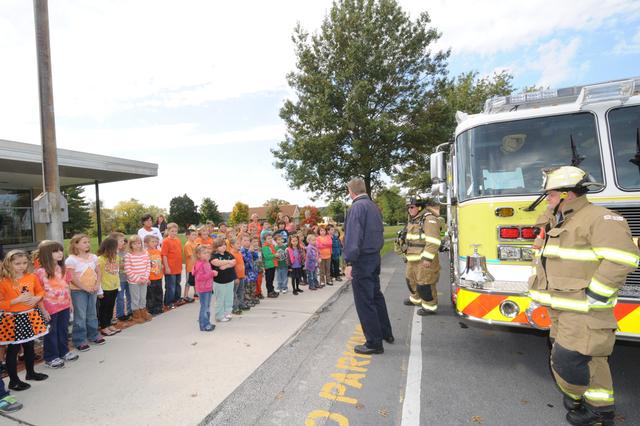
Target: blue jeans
x=282 y=278
x=312 y=278
x=3 y=391
x=204 y=318
x=56 y=343
x=120 y=305
x=85 y=318
x=171 y=288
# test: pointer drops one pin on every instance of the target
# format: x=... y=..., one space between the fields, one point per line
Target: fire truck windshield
x=507 y=158
x=624 y=128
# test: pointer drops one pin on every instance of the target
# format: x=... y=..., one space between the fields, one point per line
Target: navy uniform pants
x=369 y=300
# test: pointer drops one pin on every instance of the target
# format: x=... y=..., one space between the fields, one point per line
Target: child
x=189 y=260
x=259 y=266
x=110 y=282
x=22 y=322
x=203 y=238
x=282 y=231
x=295 y=255
x=266 y=230
x=249 y=258
x=336 y=252
x=8 y=402
x=238 y=286
x=203 y=279
x=122 y=315
x=283 y=268
x=56 y=303
x=224 y=263
x=172 y=261
x=137 y=266
x=324 y=244
x=154 y=292
x=84 y=286
x=270 y=263
x=311 y=263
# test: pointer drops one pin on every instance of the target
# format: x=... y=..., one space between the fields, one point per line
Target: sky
x=196 y=86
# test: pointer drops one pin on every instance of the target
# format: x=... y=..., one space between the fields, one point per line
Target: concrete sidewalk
x=165 y=372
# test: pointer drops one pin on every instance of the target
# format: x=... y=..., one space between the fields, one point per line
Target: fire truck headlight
x=508 y=253
x=509 y=309
x=527 y=253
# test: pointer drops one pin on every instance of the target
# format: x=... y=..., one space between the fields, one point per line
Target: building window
x=16 y=218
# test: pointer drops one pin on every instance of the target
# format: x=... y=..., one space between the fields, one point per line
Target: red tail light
x=528 y=233
x=509 y=233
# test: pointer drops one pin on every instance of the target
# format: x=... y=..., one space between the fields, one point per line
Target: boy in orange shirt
x=189 y=260
x=154 y=292
x=238 y=287
x=172 y=261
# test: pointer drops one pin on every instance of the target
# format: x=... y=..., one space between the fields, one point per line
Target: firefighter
x=583 y=256
x=422 y=244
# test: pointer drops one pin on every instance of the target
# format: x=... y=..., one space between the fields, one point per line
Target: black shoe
x=272 y=295
x=424 y=312
x=295 y=292
x=330 y=283
x=408 y=302
x=588 y=416
x=38 y=377
x=390 y=339
x=300 y=290
x=365 y=350
x=570 y=403
x=338 y=279
x=19 y=386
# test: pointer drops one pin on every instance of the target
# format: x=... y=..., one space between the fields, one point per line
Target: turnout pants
x=422 y=282
x=369 y=300
x=582 y=343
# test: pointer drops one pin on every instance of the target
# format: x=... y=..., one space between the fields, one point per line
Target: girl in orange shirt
x=324 y=244
x=21 y=322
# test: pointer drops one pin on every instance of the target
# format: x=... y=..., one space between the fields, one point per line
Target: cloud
x=628 y=46
x=555 y=62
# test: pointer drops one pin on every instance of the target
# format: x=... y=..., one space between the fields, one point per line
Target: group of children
x=126 y=275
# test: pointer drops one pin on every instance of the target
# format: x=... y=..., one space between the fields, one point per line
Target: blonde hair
x=74 y=242
x=7 y=266
x=219 y=242
x=150 y=237
x=133 y=239
x=201 y=249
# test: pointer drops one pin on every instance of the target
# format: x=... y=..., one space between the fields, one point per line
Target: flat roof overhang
x=21 y=167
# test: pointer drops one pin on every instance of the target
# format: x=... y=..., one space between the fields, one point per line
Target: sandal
x=114 y=330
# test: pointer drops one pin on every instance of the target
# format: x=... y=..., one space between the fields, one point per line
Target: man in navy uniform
x=363 y=240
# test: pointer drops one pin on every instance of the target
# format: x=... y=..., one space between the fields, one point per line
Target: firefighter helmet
x=420 y=202
x=567 y=178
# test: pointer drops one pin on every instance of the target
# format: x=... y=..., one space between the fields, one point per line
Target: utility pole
x=51 y=179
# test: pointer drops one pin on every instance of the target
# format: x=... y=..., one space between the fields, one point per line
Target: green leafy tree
x=79 y=212
x=183 y=211
x=107 y=218
x=275 y=202
x=359 y=84
x=127 y=216
x=209 y=211
x=392 y=204
x=310 y=215
x=336 y=210
x=436 y=122
x=155 y=211
x=239 y=214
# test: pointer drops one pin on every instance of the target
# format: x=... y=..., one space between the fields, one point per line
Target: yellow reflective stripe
x=569 y=394
x=586 y=255
x=569 y=304
x=556 y=302
x=432 y=240
x=428 y=255
x=605 y=395
x=611 y=303
x=601 y=289
x=617 y=256
x=429 y=307
x=413 y=257
x=415 y=300
x=413 y=237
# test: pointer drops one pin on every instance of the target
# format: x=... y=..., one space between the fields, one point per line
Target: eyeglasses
x=413 y=207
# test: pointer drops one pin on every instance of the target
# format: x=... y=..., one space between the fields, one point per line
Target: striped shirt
x=137 y=267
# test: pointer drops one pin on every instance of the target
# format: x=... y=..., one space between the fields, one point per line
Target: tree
x=359 y=82
x=311 y=218
x=79 y=213
x=239 y=214
x=155 y=211
x=107 y=218
x=336 y=209
x=392 y=204
x=209 y=211
x=183 y=211
x=127 y=216
x=275 y=202
x=436 y=122
x=272 y=213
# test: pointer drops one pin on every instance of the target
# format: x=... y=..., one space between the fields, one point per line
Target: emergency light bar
x=582 y=95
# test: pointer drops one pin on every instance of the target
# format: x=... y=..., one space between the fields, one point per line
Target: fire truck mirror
x=437 y=167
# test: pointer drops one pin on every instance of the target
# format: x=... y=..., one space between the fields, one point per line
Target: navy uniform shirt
x=363 y=229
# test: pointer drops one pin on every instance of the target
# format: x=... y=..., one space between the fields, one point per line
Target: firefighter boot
x=570 y=403
x=413 y=298
x=428 y=305
x=590 y=416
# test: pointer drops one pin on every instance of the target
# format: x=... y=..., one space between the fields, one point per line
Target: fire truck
x=491 y=178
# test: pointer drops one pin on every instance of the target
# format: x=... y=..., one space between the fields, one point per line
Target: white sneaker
x=228 y=316
x=284 y=291
x=71 y=356
x=225 y=319
x=55 y=363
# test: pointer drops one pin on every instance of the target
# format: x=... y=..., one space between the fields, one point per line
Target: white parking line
x=411 y=404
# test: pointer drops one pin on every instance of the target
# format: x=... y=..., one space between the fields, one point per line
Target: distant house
x=291 y=210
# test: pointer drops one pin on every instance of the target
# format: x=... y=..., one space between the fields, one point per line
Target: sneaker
x=284 y=291
x=312 y=288
x=99 y=341
x=236 y=312
x=71 y=356
x=209 y=327
x=260 y=296
x=38 y=377
x=83 y=348
x=300 y=290
x=55 y=363
x=228 y=316
x=224 y=319
x=295 y=292
x=9 y=404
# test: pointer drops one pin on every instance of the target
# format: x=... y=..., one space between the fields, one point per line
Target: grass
x=391 y=231
x=386 y=248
